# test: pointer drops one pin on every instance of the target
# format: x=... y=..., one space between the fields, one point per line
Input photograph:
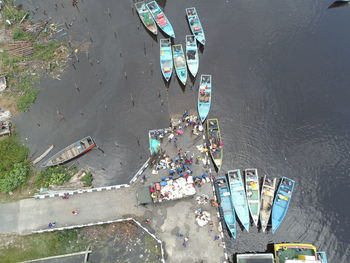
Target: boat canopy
x=154 y=145
x=255 y=258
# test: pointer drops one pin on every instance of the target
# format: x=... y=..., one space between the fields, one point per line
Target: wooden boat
x=294 y=252
x=322 y=256
x=215 y=142
x=192 y=55
x=204 y=97
x=180 y=63
x=253 y=193
x=281 y=203
x=160 y=18
x=238 y=196
x=146 y=17
x=267 y=194
x=195 y=25
x=166 y=58
x=70 y=152
x=226 y=206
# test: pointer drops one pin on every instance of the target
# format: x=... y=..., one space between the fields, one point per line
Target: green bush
x=14 y=167
x=54 y=176
x=87 y=179
x=19 y=34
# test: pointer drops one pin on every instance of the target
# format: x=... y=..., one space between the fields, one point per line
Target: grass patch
x=43 y=245
x=14 y=166
x=151 y=244
x=13 y=14
x=19 y=34
x=44 y=51
x=87 y=179
x=54 y=176
x=26 y=99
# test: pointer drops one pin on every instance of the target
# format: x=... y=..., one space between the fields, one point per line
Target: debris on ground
x=202 y=217
x=3 y=83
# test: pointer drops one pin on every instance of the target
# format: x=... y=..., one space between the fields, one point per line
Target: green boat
x=180 y=63
x=267 y=195
x=253 y=193
x=215 y=142
x=146 y=17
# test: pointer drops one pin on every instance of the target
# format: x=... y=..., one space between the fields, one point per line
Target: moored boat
x=215 y=142
x=267 y=195
x=70 y=152
x=238 y=196
x=192 y=55
x=281 y=202
x=195 y=24
x=166 y=58
x=253 y=193
x=180 y=63
x=160 y=18
x=204 y=97
x=146 y=17
x=322 y=256
x=226 y=206
x=294 y=252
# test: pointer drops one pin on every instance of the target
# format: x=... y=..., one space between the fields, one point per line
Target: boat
x=70 y=152
x=281 y=202
x=322 y=256
x=195 y=25
x=146 y=17
x=293 y=252
x=180 y=63
x=166 y=58
x=267 y=195
x=238 y=196
x=226 y=206
x=253 y=193
x=160 y=18
x=192 y=55
x=215 y=142
x=204 y=97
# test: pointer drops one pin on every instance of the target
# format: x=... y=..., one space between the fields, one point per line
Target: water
x=281 y=90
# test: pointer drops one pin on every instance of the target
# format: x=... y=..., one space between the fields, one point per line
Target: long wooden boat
x=180 y=63
x=146 y=17
x=267 y=195
x=281 y=202
x=293 y=252
x=192 y=55
x=166 y=58
x=238 y=196
x=253 y=193
x=160 y=18
x=226 y=206
x=322 y=256
x=195 y=25
x=70 y=152
x=215 y=142
x=204 y=97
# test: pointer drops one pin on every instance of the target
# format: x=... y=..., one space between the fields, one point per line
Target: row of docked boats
x=243 y=197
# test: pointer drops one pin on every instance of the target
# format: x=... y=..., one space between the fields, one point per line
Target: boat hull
x=192 y=55
x=166 y=59
x=281 y=202
x=226 y=206
x=253 y=193
x=146 y=17
x=195 y=24
x=160 y=18
x=215 y=142
x=180 y=63
x=267 y=195
x=322 y=256
x=204 y=97
x=239 y=198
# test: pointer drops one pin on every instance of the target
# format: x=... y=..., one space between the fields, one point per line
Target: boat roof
x=293 y=253
x=255 y=258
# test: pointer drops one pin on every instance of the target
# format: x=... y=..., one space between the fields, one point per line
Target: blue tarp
x=154 y=145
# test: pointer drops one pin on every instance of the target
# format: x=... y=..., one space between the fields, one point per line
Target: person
x=74 y=212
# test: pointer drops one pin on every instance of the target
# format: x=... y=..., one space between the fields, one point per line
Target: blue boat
x=226 y=206
x=204 y=97
x=192 y=55
x=281 y=202
x=180 y=63
x=322 y=256
x=166 y=58
x=160 y=18
x=195 y=25
x=238 y=196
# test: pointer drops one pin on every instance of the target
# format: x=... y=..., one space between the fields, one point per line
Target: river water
x=281 y=90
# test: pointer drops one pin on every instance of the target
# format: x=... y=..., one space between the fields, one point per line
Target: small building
x=255 y=258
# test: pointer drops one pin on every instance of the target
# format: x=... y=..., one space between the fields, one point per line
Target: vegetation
x=14 y=166
x=19 y=34
x=13 y=14
x=54 y=176
x=87 y=179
